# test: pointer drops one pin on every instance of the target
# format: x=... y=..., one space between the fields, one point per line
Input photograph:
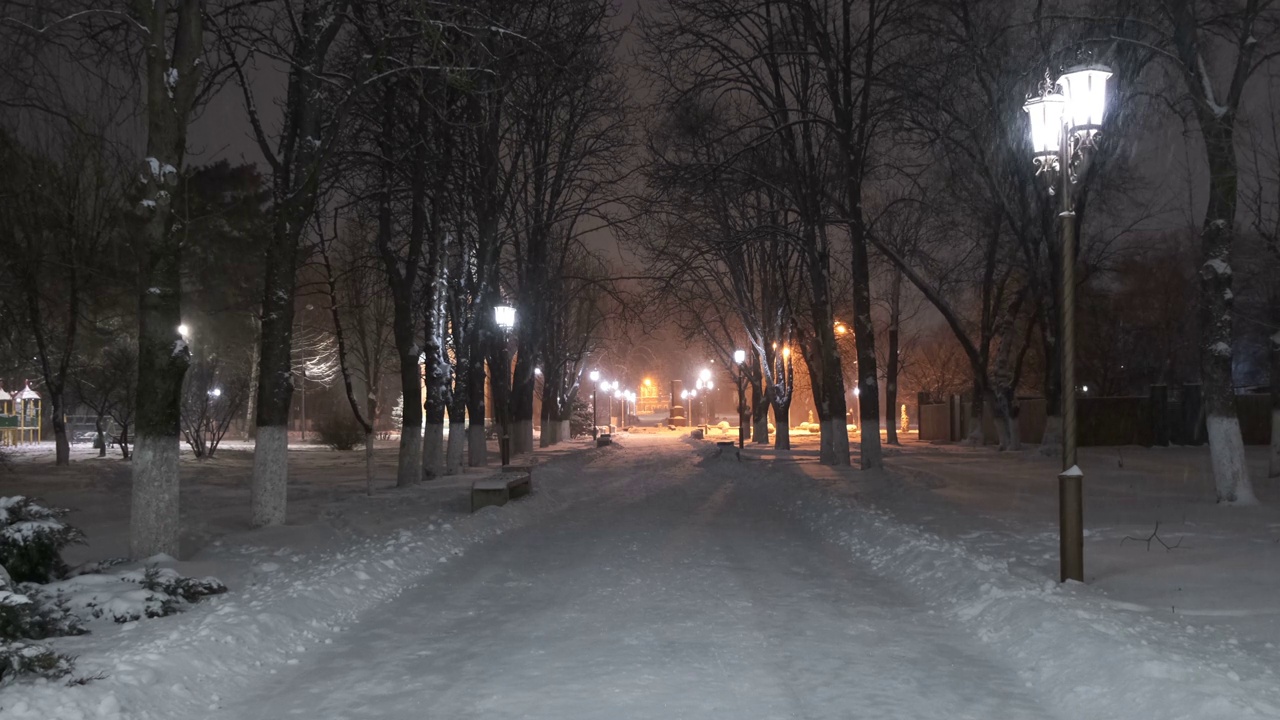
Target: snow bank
x=184 y=665
x=1071 y=643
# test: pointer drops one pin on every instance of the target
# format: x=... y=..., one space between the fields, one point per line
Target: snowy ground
x=657 y=579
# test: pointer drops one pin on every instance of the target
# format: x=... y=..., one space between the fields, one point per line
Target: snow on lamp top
x=505 y=316
x=1046 y=114
x=1085 y=91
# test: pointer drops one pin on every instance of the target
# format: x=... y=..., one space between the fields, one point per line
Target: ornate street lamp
x=594 y=376
x=1064 y=128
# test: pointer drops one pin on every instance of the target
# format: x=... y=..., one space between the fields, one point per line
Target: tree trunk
x=368 y=463
x=891 y=371
x=124 y=442
x=409 y=458
x=977 y=434
x=58 y=419
x=550 y=418
x=864 y=341
x=1273 y=468
x=1226 y=446
x=759 y=414
x=782 y=435
x=100 y=426
x=172 y=74
x=522 y=390
x=477 y=448
x=269 y=493
x=251 y=407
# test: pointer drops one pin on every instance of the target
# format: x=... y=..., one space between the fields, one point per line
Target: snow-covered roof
x=4 y=395
x=28 y=394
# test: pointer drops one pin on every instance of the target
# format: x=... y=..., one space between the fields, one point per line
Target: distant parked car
x=85 y=436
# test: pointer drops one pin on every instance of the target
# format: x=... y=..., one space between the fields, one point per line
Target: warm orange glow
x=841 y=329
x=786 y=352
x=648 y=382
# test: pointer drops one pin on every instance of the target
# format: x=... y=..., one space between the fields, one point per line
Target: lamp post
x=505 y=318
x=1064 y=126
x=684 y=398
x=740 y=357
x=594 y=376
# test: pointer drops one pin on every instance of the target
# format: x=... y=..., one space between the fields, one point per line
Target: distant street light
x=184 y=331
x=216 y=392
x=1064 y=126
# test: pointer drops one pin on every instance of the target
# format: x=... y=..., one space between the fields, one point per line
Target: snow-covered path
x=692 y=597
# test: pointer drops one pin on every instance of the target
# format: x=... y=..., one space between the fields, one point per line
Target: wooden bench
x=604 y=439
x=501 y=488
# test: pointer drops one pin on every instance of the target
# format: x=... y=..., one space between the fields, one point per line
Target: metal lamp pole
x=594 y=375
x=1063 y=130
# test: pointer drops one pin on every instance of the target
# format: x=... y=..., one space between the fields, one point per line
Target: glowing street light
x=505 y=317
x=1064 y=126
x=184 y=331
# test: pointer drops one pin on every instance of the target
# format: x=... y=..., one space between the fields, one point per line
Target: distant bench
x=515 y=481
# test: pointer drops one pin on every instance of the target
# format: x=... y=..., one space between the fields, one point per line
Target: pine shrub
x=32 y=538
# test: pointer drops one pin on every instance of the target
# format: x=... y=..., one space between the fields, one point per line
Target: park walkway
x=693 y=599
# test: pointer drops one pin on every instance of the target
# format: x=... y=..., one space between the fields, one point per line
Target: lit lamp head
x=1045 y=113
x=711 y=385
x=183 y=330
x=594 y=375
x=786 y=352
x=684 y=394
x=617 y=394
x=1084 y=90
x=505 y=316
x=698 y=383
x=740 y=356
x=857 y=391
x=693 y=393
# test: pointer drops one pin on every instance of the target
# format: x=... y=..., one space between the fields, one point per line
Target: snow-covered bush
x=32 y=538
x=30 y=615
x=40 y=598
x=132 y=595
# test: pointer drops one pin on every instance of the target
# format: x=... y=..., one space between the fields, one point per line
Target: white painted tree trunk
x=760 y=431
x=521 y=437
x=368 y=464
x=477 y=448
x=835 y=441
x=409 y=469
x=550 y=433
x=456 y=448
x=270 y=491
x=1051 y=441
x=564 y=431
x=433 y=451
x=154 y=526
x=1226 y=450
